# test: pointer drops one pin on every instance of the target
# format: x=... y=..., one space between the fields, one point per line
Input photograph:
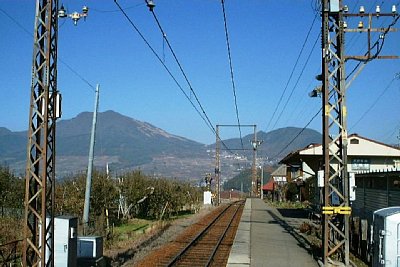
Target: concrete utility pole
x=217 y=166
x=86 y=206
x=255 y=184
x=398 y=139
x=262 y=182
x=336 y=181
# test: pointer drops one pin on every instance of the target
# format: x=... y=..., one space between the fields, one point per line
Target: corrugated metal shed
x=376 y=190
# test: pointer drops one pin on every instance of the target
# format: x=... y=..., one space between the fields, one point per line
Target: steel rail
x=197 y=237
x=210 y=259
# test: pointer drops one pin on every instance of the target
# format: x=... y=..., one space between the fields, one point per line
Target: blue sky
x=265 y=38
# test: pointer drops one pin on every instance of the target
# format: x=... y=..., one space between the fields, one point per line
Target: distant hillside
x=133 y=141
x=126 y=143
x=242 y=181
x=123 y=142
x=277 y=143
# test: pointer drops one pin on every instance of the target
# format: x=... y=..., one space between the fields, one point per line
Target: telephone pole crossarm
x=369 y=29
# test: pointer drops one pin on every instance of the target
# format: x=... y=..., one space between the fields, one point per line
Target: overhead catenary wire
x=231 y=69
x=205 y=119
x=292 y=72
x=164 y=35
x=180 y=67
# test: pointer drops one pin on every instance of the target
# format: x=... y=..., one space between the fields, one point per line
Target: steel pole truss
x=217 y=167
x=336 y=209
x=40 y=169
x=335 y=224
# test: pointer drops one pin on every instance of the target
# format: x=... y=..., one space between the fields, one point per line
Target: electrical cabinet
x=65 y=241
x=386 y=237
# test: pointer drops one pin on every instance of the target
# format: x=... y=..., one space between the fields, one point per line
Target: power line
x=151 y=8
x=116 y=10
x=180 y=66
x=355 y=37
x=207 y=121
x=298 y=79
x=231 y=69
x=292 y=72
x=77 y=74
x=62 y=61
x=90 y=84
x=205 y=118
x=379 y=45
x=301 y=131
x=389 y=134
x=301 y=106
x=376 y=101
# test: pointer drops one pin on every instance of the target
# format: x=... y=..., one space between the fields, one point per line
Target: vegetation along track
x=206 y=243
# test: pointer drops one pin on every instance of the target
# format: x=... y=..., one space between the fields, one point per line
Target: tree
x=11 y=191
x=70 y=195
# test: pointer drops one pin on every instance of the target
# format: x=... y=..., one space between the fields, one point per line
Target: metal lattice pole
x=336 y=193
x=40 y=168
x=336 y=209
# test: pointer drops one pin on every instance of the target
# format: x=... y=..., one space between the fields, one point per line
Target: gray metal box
x=90 y=251
x=90 y=247
x=386 y=237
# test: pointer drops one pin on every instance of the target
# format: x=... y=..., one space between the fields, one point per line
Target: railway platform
x=263 y=240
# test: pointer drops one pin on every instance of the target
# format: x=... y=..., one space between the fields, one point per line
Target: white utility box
x=386 y=237
x=207 y=198
x=65 y=241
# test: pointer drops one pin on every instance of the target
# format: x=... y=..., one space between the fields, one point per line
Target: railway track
x=206 y=243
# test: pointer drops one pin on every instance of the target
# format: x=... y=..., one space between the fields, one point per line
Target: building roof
x=357 y=146
x=270 y=186
x=280 y=171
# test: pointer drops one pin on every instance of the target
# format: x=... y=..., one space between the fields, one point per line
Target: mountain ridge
x=126 y=143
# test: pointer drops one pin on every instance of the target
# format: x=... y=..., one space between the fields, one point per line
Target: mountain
x=125 y=143
x=131 y=140
x=276 y=144
x=12 y=145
